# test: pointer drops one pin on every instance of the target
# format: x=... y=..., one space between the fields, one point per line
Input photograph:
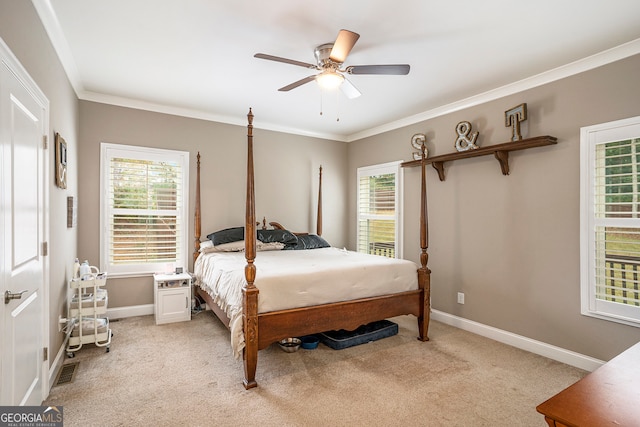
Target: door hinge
x=45 y=353
x=45 y=141
x=45 y=248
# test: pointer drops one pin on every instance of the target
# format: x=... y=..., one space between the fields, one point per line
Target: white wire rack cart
x=88 y=313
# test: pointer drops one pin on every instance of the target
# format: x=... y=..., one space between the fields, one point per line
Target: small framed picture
x=61 y=161
x=178 y=270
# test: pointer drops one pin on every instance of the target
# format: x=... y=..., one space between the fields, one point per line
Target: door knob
x=8 y=296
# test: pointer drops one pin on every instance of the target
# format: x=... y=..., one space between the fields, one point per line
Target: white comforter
x=290 y=279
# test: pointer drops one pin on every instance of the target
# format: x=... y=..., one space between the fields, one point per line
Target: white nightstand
x=172 y=297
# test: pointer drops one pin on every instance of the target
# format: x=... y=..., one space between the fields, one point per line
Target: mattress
x=291 y=279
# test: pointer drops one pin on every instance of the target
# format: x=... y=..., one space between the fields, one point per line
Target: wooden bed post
x=249 y=291
x=319 y=217
x=424 y=274
x=197 y=219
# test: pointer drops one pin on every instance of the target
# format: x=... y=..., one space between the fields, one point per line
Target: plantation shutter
x=378 y=210
x=616 y=218
x=611 y=221
x=145 y=223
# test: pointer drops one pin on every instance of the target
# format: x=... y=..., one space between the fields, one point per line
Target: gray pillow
x=310 y=241
x=282 y=236
x=227 y=235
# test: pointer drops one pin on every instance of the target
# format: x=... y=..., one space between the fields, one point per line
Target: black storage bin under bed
x=373 y=331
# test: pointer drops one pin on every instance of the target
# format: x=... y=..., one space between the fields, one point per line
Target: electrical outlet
x=460 y=298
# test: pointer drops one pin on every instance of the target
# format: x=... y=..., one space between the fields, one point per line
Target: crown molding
x=198 y=114
x=594 y=61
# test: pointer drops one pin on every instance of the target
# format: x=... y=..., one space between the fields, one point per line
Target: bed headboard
x=198 y=213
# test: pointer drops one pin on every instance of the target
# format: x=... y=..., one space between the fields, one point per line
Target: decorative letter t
x=513 y=117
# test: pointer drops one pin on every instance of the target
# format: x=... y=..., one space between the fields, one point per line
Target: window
x=144 y=207
x=379 y=201
x=610 y=221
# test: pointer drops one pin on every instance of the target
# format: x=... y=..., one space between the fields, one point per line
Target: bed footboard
x=348 y=315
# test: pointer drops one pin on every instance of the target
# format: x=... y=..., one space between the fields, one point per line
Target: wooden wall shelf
x=500 y=152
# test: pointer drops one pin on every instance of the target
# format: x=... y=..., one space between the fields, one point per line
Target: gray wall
x=286 y=177
x=512 y=243
x=22 y=31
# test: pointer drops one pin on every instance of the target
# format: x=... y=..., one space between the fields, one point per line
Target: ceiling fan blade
x=285 y=60
x=392 y=69
x=344 y=43
x=296 y=84
x=349 y=90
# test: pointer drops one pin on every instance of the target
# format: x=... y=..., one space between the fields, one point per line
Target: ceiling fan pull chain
x=337 y=106
x=320 y=101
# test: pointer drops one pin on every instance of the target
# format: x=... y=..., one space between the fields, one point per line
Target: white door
x=23 y=122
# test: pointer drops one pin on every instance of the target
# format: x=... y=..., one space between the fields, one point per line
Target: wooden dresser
x=609 y=396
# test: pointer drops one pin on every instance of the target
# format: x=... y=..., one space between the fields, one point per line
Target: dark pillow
x=227 y=235
x=310 y=241
x=281 y=236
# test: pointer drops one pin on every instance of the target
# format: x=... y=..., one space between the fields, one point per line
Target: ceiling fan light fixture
x=330 y=58
x=329 y=80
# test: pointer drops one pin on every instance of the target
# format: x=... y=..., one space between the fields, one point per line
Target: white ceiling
x=195 y=57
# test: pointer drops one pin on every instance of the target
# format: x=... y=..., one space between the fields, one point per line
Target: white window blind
x=379 y=201
x=610 y=172
x=144 y=204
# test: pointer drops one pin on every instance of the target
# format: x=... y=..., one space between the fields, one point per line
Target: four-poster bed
x=261 y=327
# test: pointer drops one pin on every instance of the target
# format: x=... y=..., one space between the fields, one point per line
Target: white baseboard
x=130 y=311
x=538 y=347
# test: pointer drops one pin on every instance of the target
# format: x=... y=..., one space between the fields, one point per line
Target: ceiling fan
x=330 y=58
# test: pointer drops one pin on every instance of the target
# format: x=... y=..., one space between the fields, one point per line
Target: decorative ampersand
x=463 y=143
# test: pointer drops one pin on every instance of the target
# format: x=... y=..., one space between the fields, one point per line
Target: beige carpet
x=183 y=374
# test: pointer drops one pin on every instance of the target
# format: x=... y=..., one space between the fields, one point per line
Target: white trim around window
x=379 y=227
x=610 y=221
x=144 y=205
